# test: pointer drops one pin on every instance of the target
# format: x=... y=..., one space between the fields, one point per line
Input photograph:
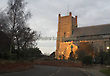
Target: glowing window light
x=108 y=47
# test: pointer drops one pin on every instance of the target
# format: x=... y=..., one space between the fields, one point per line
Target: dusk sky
x=44 y=16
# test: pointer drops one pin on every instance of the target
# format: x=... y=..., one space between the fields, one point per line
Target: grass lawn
x=106 y=71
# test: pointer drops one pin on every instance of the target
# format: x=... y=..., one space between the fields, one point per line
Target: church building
x=70 y=34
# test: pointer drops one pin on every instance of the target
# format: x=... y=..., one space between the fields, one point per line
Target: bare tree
x=22 y=36
x=15 y=21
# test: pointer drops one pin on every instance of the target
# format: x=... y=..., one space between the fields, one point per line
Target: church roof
x=92 y=30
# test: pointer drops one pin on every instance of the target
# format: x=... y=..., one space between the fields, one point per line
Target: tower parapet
x=70 y=14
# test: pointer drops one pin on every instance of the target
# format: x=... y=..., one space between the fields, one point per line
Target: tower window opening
x=72 y=32
x=64 y=34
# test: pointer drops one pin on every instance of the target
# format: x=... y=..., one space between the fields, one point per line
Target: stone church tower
x=66 y=26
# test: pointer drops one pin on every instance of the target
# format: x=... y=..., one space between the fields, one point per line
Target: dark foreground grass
x=106 y=71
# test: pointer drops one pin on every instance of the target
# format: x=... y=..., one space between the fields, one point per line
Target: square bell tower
x=66 y=26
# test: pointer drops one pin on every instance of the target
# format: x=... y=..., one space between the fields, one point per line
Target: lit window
x=108 y=47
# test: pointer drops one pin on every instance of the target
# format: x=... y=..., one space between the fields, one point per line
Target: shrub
x=31 y=53
x=87 y=60
x=103 y=58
